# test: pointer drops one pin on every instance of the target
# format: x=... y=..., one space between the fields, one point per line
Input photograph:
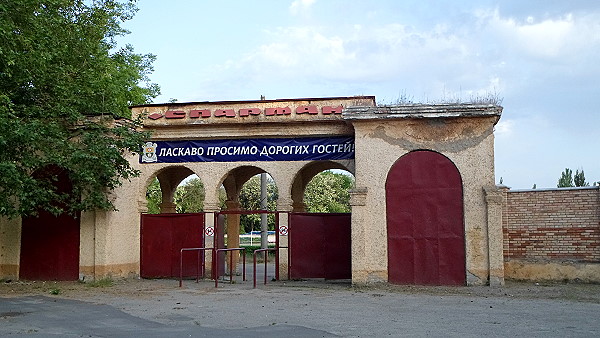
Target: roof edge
x=370 y=97
x=421 y=111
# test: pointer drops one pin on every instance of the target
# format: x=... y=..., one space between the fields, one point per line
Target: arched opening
x=424 y=209
x=251 y=198
x=328 y=192
x=243 y=194
x=320 y=226
x=50 y=242
x=175 y=198
x=175 y=190
x=329 y=169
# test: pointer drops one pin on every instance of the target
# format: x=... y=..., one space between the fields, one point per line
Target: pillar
x=167 y=208
x=361 y=270
x=286 y=206
x=298 y=206
x=10 y=247
x=233 y=231
x=210 y=208
x=494 y=198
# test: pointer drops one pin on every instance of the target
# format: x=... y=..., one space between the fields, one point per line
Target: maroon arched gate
x=424 y=200
x=50 y=243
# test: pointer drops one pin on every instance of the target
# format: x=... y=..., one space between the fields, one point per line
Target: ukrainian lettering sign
x=266 y=149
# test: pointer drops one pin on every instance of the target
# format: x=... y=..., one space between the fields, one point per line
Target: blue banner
x=266 y=149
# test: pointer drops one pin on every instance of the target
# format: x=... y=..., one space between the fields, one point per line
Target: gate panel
x=188 y=232
x=320 y=246
x=338 y=246
x=425 y=221
x=307 y=237
x=162 y=238
x=49 y=247
x=50 y=244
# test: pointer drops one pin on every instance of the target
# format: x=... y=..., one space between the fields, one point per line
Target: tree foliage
x=328 y=192
x=250 y=200
x=566 y=179
x=65 y=89
x=189 y=197
x=579 y=179
x=154 y=197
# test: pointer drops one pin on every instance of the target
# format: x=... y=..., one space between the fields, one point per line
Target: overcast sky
x=541 y=57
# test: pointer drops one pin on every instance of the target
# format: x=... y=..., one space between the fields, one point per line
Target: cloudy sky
x=542 y=57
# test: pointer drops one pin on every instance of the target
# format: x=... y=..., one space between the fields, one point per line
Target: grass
x=101 y=283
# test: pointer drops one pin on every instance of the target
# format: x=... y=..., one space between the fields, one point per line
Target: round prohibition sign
x=283 y=230
x=209 y=231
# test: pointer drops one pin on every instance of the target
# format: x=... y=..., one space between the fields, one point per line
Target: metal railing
x=200 y=263
x=252 y=212
x=266 y=251
x=216 y=264
x=201 y=270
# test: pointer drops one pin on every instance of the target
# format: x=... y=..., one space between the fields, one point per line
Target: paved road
x=294 y=310
x=40 y=316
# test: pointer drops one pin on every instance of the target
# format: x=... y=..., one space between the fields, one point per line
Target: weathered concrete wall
x=467 y=141
x=10 y=247
x=552 y=234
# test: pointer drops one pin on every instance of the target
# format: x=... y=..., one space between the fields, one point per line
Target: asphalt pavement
x=299 y=309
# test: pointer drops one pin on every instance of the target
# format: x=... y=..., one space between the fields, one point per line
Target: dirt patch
x=147 y=288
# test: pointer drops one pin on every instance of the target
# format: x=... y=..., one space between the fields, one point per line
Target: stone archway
x=233 y=183
x=320 y=242
x=169 y=178
x=309 y=171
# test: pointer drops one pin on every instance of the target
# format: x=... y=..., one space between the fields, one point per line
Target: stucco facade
x=110 y=241
x=464 y=134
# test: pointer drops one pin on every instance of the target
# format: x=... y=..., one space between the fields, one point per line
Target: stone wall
x=552 y=234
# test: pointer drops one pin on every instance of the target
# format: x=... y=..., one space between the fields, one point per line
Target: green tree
x=579 y=179
x=566 y=179
x=250 y=200
x=154 y=197
x=189 y=197
x=328 y=192
x=65 y=89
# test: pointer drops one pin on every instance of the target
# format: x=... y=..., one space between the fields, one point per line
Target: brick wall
x=549 y=225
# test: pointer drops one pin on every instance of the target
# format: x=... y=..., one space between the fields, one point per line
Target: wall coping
x=412 y=111
x=555 y=189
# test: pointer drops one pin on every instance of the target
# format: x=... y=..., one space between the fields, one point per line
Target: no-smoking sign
x=209 y=231
x=283 y=230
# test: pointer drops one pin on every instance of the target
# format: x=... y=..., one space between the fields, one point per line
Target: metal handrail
x=200 y=250
x=216 y=260
x=266 y=261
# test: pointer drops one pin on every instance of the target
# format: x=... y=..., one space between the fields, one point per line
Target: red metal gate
x=162 y=238
x=50 y=247
x=320 y=246
x=50 y=244
x=426 y=243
